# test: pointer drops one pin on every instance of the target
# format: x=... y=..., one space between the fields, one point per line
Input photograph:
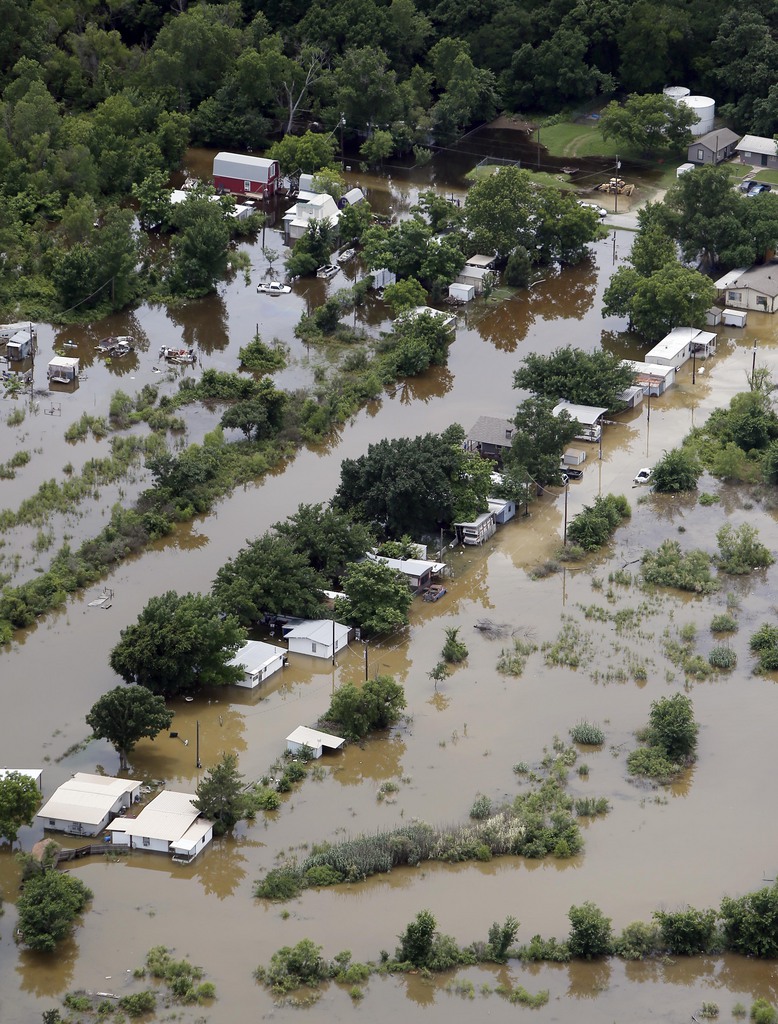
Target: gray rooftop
x=763 y=278
x=491 y=430
x=757 y=144
x=718 y=139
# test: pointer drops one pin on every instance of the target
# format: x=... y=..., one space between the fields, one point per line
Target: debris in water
x=492 y=630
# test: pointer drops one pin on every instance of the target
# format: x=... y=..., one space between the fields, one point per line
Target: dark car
x=572 y=473
x=757 y=187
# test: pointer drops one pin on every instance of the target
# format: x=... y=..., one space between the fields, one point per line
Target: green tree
x=179 y=643
x=417 y=342
x=572 y=375
x=269 y=577
x=152 y=196
x=454 y=649
x=365 y=87
x=358 y=710
x=377 y=597
x=127 y=714
x=707 y=217
x=590 y=932
x=500 y=212
x=594 y=524
x=261 y=415
x=311 y=250
x=672 y=727
x=306 y=153
x=405 y=294
x=199 y=248
x=649 y=123
x=220 y=796
x=501 y=938
x=378 y=147
x=354 y=221
x=750 y=923
x=20 y=798
x=764 y=643
x=417 y=940
x=48 y=905
x=740 y=550
x=539 y=441
x=677 y=470
x=687 y=932
x=564 y=228
x=328 y=537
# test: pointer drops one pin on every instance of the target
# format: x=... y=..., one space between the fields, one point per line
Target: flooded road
x=656 y=849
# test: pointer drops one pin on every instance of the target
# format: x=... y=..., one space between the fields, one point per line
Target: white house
x=63 y=369
x=8 y=330
x=473 y=276
x=170 y=823
x=313 y=739
x=316 y=636
x=751 y=288
x=680 y=344
x=259 y=661
x=589 y=416
x=309 y=208
x=36 y=774
x=85 y=804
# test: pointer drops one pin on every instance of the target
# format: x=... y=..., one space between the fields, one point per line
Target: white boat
x=327 y=271
x=346 y=255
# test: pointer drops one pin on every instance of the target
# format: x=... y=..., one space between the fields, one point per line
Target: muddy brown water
x=711 y=834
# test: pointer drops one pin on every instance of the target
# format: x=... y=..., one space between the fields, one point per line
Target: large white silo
x=676 y=92
x=705 y=109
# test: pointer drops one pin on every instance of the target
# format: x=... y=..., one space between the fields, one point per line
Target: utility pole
x=564 y=535
x=198 y=762
x=366 y=668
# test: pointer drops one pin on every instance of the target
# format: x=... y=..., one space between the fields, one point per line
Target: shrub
x=763 y=1012
x=653 y=764
x=669 y=567
x=722 y=657
x=751 y=923
x=261 y=358
x=280 y=884
x=672 y=727
x=454 y=650
x=323 y=875
x=740 y=551
x=592 y=527
x=765 y=644
x=591 y=807
x=724 y=623
x=377 y=704
x=687 y=932
x=293 y=966
x=590 y=934
x=586 y=733
x=678 y=470
x=482 y=808
x=138 y=1003
x=637 y=941
x=417 y=940
x=511 y=661
x=48 y=905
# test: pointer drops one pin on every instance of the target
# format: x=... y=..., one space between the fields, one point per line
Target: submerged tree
x=127 y=714
x=220 y=795
x=20 y=798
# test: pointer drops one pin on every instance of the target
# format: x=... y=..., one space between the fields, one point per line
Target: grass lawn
x=573 y=140
x=538 y=177
x=763 y=174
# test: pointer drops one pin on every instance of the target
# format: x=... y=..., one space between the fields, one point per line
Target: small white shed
x=259 y=661
x=382 y=277
x=574 y=456
x=683 y=169
x=63 y=369
x=316 y=636
x=20 y=346
x=713 y=317
x=731 y=318
x=461 y=292
x=502 y=509
x=351 y=198
x=313 y=739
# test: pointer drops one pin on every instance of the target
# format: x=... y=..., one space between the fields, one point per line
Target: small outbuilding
x=474 y=276
x=713 y=317
x=63 y=370
x=259 y=661
x=684 y=169
x=753 y=288
x=382 y=277
x=573 y=457
x=713 y=147
x=20 y=346
x=351 y=198
x=734 y=317
x=243 y=175
x=312 y=739
x=480 y=530
x=85 y=804
x=502 y=509
x=36 y=774
x=170 y=823
x=481 y=261
x=461 y=292
x=654 y=378
x=321 y=638
x=589 y=416
x=632 y=396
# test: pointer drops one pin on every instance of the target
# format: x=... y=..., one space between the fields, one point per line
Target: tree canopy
x=20 y=798
x=127 y=714
x=358 y=710
x=539 y=441
x=179 y=644
x=327 y=536
x=220 y=794
x=377 y=597
x=649 y=123
x=572 y=375
x=49 y=903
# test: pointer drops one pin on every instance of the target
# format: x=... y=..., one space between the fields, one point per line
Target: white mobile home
x=680 y=344
x=85 y=804
x=589 y=416
x=474 y=276
x=418 y=571
x=170 y=823
x=315 y=637
x=654 y=378
x=313 y=739
x=259 y=661
x=480 y=530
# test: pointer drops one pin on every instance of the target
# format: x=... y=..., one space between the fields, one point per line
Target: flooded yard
x=709 y=835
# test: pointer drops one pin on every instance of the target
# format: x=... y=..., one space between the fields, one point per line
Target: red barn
x=246 y=175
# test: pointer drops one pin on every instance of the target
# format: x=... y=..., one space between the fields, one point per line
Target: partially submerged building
x=243 y=175
x=170 y=823
x=313 y=740
x=259 y=661
x=491 y=437
x=321 y=638
x=751 y=288
x=481 y=529
x=85 y=804
x=653 y=378
x=63 y=370
x=680 y=345
x=310 y=208
x=418 y=571
x=589 y=416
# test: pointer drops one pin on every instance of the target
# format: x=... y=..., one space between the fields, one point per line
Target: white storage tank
x=705 y=109
x=676 y=92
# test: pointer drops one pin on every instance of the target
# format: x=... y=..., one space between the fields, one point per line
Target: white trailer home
x=678 y=347
x=259 y=661
x=316 y=637
x=589 y=416
x=480 y=530
x=85 y=804
x=170 y=823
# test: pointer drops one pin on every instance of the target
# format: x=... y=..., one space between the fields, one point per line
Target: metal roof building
x=85 y=804
x=169 y=824
x=312 y=738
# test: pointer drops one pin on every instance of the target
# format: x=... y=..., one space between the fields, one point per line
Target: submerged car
x=599 y=210
x=327 y=271
x=273 y=288
x=434 y=592
x=642 y=476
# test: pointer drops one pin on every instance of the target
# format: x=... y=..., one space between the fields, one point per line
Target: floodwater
x=709 y=835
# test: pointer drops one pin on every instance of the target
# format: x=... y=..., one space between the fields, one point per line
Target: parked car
x=327 y=271
x=571 y=472
x=434 y=592
x=593 y=206
x=642 y=476
x=273 y=288
x=346 y=255
x=757 y=187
